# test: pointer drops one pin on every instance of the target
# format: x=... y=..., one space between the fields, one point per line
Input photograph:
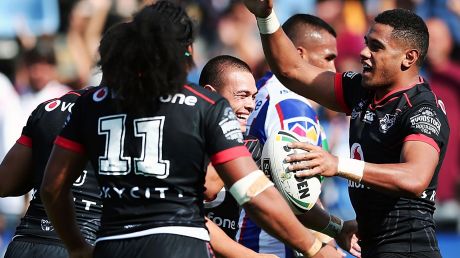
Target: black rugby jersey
x=151 y=167
x=224 y=210
x=42 y=127
x=378 y=130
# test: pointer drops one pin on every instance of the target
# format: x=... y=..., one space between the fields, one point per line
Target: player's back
x=151 y=164
x=42 y=127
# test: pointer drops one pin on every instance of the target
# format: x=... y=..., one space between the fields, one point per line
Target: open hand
x=347 y=239
x=315 y=161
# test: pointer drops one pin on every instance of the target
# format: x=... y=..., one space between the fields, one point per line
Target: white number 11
x=150 y=162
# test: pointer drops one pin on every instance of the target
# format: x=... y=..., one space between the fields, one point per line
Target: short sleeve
x=428 y=124
x=27 y=131
x=224 y=140
x=348 y=90
x=70 y=137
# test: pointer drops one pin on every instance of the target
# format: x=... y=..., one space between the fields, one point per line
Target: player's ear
x=412 y=55
x=302 y=52
x=209 y=87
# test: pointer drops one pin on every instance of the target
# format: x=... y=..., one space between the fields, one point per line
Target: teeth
x=242 y=117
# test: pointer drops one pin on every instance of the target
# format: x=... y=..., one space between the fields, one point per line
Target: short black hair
x=407 y=27
x=214 y=69
x=296 y=24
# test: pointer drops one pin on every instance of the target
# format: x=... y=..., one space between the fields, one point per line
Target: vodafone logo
x=52 y=105
x=64 y=106
x=356 y=152
x=100 y=94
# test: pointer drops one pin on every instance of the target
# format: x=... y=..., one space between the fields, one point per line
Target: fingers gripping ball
x=300 y=193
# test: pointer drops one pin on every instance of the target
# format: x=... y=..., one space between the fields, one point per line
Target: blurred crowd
x=48 y=47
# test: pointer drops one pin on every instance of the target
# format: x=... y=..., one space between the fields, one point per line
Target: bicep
x=422 y=159
x=16 y=171
x=63 y=168
x=233 y=170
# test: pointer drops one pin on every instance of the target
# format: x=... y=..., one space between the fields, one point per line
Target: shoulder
x=195 y=93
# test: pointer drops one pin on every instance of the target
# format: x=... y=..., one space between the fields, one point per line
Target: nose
x=365 y=53
x=250 y=103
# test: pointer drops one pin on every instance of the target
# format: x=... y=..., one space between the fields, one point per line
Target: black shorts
x=26 y=247
x=156 y=245
x=433 y=254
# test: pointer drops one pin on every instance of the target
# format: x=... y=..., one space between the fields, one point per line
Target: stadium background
x=68 y=32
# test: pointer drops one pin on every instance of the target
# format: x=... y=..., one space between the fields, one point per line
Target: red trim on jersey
x=229 y=155
x=422 y=138
x=407 y=99
x=25 y=140
x=199 y=94
x=74 y=93
x=243 y=227
x=338 y=88
x=280 y=115
x=378 y=106
x=69 y=145
x=376 y=102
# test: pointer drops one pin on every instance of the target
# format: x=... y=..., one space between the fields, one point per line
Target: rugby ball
x=300 y=193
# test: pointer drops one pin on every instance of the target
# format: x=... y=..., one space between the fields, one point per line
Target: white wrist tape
x=269 y=24
x=315 y=247
x=250 y=186
x=334 y=227
x=352 y=169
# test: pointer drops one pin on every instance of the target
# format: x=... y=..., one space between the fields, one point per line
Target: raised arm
x=296 y=74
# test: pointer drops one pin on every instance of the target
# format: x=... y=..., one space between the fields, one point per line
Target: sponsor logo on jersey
x=100 y=94
x=222 y=222
x=304 y=127
x=230 y=126
x=426 y=121
x=350 y=74
x=81 y=179
x=356 y=152
x=137 y=192
x=58 y=103
x=180 y=99
x=46 y=225
x=387 y=122
x=368 y=117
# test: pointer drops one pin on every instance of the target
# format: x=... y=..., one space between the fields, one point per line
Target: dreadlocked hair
x=147 y=57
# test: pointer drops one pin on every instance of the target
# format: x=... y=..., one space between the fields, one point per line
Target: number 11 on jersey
x=150 y=162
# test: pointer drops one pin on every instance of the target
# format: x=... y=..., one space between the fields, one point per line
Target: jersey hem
x=195 y=232
x=25 y=140
x=229 y=155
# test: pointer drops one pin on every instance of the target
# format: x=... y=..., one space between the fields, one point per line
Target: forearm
x=270 y=211
x=61 y=211
x=223 y=245
x=393 y=179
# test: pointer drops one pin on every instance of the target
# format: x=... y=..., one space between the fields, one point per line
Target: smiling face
x=239 y=88
x=382 y=58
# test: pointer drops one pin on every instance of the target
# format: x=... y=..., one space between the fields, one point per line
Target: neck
x=402 y=84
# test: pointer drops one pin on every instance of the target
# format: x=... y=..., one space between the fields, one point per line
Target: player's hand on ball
x=260 y=8
x=347 y=239
x=316 y=161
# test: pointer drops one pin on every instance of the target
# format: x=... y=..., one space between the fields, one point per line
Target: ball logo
x=100 y=94
x=356 y=152
x=52 y=105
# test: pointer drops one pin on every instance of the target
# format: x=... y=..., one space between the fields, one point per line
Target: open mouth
x=366 y=68
x=242 y=118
